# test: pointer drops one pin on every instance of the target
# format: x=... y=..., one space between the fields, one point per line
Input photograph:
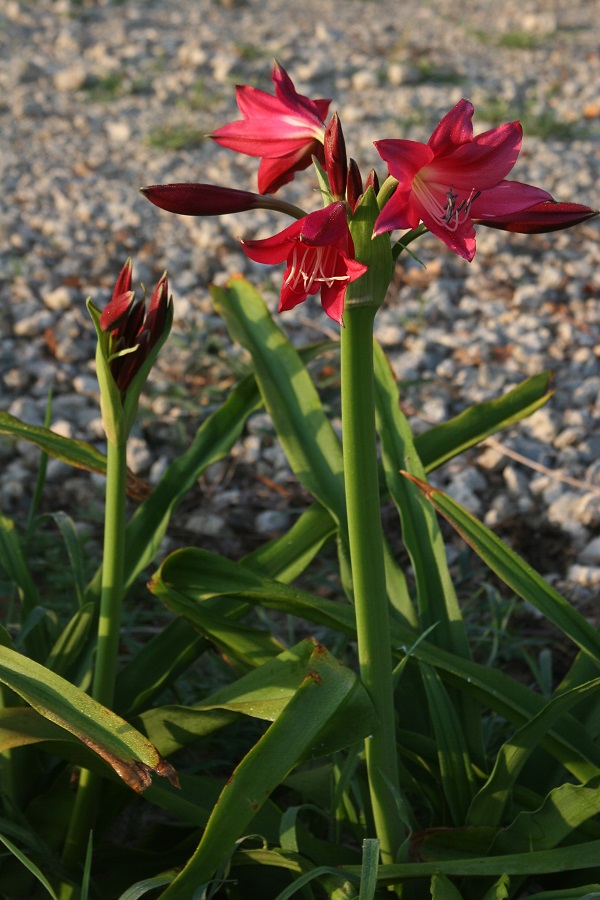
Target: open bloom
x=320 y=257
x=286 y=130
x=454 y=179
x=133 y=331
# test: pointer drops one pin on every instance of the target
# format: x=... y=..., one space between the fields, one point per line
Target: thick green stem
x=111 y=596
x=368 y=569
x=105 y=670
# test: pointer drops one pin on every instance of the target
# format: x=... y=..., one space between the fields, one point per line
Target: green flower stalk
x=129 y=339
x=363 y=299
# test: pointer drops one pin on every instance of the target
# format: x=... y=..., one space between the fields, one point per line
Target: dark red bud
x=157 y=311
x=201 y=199
x=336 y=163
x=131 y=327
x=541 y=217
x=354 y=185
x=123 y=284
x=372 y=181
x=116 y=311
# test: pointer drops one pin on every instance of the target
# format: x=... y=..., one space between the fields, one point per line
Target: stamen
x=456 y=215
x=450 y=215
x=309 y=264
x=450 y=205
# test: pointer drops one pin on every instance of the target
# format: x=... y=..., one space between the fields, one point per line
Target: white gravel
x=99 y=98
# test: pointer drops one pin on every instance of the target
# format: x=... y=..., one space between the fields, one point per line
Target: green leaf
x=14 y=563
x=442 y=442
x=489 y=804
x=31 y=866
x=76 y=453
x=370 y=866
x=310 y=443
x=436 y=596
x=262 y=693
x=22 y=725
x=140 y=888
x=65 y=655
x=535 y=862
x=581 y=892
x=192 y=575
x=169 y=653
x=562 y=812
x=327 y=694
x=499 y=890
x=456 y=772
x=248 y=646
x=129 y=753
x=157 y=665
x=443 y=889
x=73 y=544
x=514 y=572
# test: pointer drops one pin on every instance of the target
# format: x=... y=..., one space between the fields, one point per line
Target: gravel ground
x=99 y=98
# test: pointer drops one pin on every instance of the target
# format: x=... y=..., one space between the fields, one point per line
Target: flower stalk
x=105 y=670
x=129 y=338
x=368 y=569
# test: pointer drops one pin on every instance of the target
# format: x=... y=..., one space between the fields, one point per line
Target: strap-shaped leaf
x=540 y=862
x=456 y=772
x=129 y=753
x=442 y=442
x=515 y=572
x=192 y=576
x=328 y=694
x=310 y=443
x=489 y=803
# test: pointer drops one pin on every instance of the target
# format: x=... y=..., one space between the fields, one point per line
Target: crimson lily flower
x=320 y=257
x=455 y=179
x=286 y=130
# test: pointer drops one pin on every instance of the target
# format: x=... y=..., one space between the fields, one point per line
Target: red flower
x=320 y=257
x=454 y=179
x=285 y=130
x=133 y=332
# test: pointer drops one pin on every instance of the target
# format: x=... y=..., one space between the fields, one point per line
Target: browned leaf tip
x=423 y=486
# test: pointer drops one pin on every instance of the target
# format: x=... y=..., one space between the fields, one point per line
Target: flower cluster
x=133 y=331
x=447 y=186
x=129 y=339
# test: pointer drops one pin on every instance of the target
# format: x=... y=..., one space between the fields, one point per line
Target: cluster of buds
x=129 y=338
x=446 y=186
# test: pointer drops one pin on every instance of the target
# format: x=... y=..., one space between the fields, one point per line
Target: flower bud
x=129 y=339
x=541 y=217
x=336 y=164
x=354 y=185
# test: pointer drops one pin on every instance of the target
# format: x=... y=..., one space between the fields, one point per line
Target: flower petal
x=478 y=165
x=404 y=159
x=506 y=198
x=455 y=129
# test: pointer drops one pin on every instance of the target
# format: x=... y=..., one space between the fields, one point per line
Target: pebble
x=98 y=99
